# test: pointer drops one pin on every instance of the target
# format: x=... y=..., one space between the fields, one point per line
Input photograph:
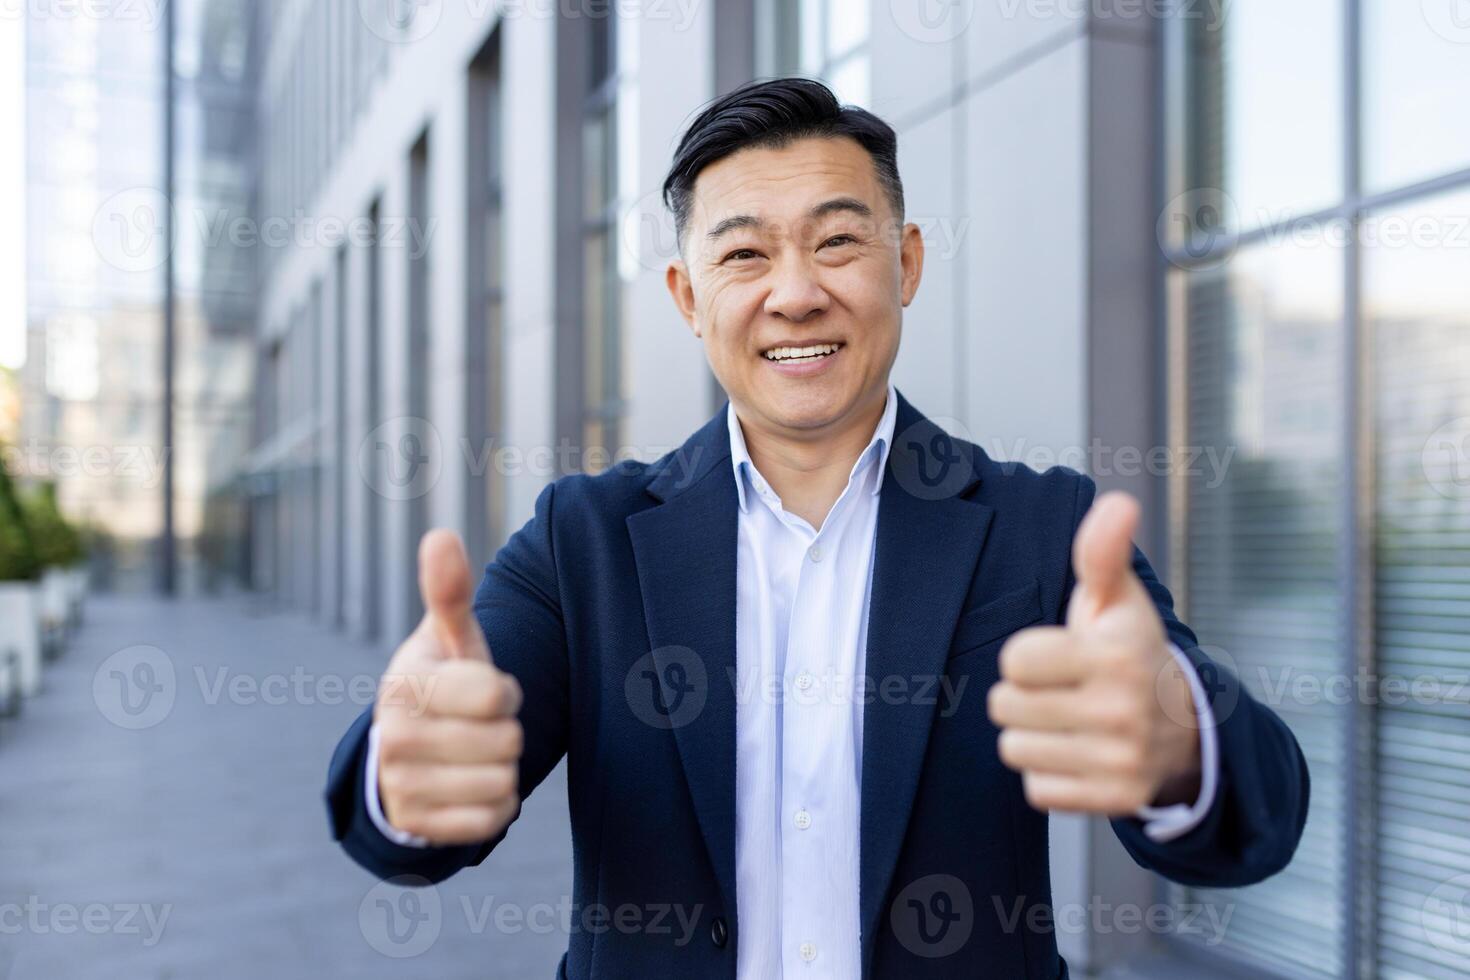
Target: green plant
x=57 y=543
x=18 y=558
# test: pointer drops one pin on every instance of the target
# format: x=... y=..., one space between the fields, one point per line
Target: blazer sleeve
x=518 y=605
x=1255 y=823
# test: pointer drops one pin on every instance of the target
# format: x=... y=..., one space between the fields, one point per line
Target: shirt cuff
x=1166 y=823
x=375 y=806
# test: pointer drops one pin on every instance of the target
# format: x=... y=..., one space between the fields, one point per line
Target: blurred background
x=285 y=283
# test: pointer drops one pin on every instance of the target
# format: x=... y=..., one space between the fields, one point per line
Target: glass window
x=420 y=313
x=1264 y=91
x=1416 y=72
x=1263 y=349
x=485 y=260
x=826 y=39
x=1378 y=456
x=1418 y=321
x=601 y=292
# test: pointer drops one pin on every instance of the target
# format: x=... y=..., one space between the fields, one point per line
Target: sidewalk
x=161 y=816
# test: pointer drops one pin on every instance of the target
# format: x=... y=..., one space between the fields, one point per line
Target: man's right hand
x=449 y=743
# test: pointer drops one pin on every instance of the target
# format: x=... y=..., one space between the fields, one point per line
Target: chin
x=811 y=410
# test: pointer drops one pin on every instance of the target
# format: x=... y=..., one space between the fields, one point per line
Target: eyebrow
x=837 y=204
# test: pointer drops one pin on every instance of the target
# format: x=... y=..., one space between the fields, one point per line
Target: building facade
x=461 y=297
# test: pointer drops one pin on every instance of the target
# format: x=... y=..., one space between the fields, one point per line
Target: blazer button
x=719 y=934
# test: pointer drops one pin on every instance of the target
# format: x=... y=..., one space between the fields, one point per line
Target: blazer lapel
x=928 y=545
x=684 y=549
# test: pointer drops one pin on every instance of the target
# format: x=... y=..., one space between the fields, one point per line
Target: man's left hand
x=1091 y=712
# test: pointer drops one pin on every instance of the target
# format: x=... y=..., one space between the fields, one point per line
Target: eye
x=740 y=254
x=839 y=240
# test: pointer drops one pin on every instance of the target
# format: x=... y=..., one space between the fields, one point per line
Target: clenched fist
x=1091 y=711
x=449 y=742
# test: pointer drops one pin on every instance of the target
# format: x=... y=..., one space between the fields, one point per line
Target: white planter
x=77 y=581
x=55 y=597
x=20 y=630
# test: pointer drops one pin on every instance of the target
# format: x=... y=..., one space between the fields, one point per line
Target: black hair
x=771 y=114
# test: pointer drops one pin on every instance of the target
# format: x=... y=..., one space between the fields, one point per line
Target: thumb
x=444 y=583
x=1102 y=551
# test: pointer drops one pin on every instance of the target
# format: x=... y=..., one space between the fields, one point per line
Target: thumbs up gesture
x=449 y=742
x=1086 y=709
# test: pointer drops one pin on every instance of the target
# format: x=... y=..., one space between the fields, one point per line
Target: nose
x=796 y=295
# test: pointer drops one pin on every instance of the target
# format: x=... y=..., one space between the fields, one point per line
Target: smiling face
x=795 y=272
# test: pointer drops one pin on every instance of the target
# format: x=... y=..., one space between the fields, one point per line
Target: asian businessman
x=819 y=674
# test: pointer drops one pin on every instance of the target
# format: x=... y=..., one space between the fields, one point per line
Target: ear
x=911 y=260
x=681 y=288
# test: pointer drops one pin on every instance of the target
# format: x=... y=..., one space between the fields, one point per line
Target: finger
x=1077 y=794
x=1044 y=709
x=1102 y=551
x=415 y=789
x=1043 y=656
x=459 y=824
x=449 y=740
x=1053 y=752
x=447 y=591
x=471 y=689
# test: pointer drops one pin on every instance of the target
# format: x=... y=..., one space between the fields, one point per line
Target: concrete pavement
x=161 y=817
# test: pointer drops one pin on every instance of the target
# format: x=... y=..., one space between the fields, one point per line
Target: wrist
x=1183 y=768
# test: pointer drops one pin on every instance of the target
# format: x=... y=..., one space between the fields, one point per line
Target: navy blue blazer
x=614 y=607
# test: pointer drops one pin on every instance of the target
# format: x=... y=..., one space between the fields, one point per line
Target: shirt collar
x=744 y=467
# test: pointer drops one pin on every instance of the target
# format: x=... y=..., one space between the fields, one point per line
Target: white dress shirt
x=801 y=638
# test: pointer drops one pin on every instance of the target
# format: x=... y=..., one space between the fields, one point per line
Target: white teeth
x=801 y=353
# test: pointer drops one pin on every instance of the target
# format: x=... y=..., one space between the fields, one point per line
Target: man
x=820 y=673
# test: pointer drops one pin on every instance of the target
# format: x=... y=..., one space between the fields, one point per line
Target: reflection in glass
x=1263 y=352
x=847 y=26
x=1418 y=324
x=826 y=39
x=1264 y=86
x=850 y=81
x=92 y=376
x=602 y=144
x=1416 y=64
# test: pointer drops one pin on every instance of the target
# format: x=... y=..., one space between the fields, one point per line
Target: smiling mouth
x=800 y=355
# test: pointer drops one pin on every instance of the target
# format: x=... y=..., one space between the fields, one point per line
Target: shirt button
x=808 y=952
x=803 y=681
x=803 y=820
x=814 y=552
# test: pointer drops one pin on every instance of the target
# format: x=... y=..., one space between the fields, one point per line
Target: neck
x=808 y=469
